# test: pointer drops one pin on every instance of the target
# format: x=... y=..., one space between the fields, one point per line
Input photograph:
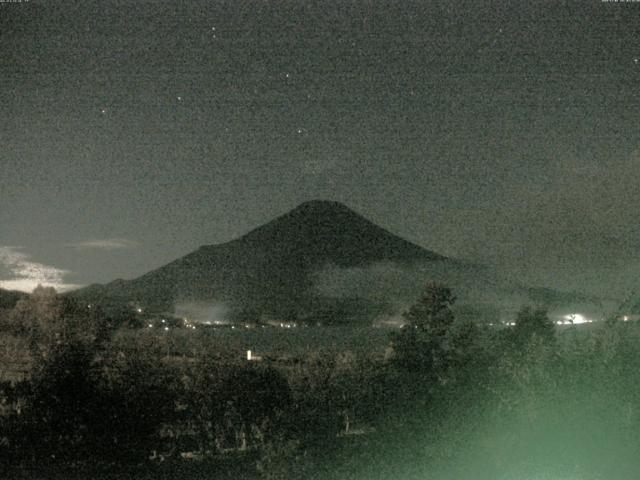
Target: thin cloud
x=24 y=274
x=104 y=244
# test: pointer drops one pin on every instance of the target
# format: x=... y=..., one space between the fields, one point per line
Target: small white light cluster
x=188 y=324
x=574 y=319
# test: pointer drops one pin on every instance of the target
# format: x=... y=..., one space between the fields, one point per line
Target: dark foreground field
x=441 y=399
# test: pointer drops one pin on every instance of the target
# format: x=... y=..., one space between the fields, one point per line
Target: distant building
x=253 y=358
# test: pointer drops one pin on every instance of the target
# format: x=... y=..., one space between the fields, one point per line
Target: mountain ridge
x=319 y=262
x=9 y=298
x=270 y=268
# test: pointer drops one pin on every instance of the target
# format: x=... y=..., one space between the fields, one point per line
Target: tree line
x=452 y=398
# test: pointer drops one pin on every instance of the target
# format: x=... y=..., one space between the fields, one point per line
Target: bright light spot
x=625 y=318
x=576 y=318
x=139 y=310
x=151 y=325
x=166 y=329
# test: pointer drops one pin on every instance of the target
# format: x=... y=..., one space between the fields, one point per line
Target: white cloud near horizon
x=24 y=274
x=104 y=244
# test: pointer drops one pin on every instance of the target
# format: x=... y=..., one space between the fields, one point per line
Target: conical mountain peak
x=322 y=206
x=271 y=268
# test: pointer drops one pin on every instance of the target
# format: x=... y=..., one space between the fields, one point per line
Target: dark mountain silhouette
x=319 y=262
x=269 y=271
x=9 y=298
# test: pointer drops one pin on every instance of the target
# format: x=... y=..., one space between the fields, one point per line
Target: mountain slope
x=270 y=269
x=319 y=262
x=9 y=298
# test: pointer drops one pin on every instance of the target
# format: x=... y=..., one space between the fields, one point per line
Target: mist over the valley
x=481 y=294
x=208 y=313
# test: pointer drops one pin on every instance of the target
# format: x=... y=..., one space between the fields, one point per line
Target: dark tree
x=432 y=313
x=60 y=407
x=532 y=322
x=257 y=392
x=423 y=345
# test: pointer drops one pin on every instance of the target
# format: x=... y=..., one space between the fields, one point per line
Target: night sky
x=132 y=132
